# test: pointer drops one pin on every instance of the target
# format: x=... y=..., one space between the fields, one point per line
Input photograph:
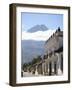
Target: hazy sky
x=52 y=21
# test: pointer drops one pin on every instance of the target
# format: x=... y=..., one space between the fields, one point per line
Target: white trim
x=65 y=45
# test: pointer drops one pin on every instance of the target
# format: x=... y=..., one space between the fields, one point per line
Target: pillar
x=48 y=68
x=52 y=67
x=43 y=68
x=36 y=72
x=59 y=72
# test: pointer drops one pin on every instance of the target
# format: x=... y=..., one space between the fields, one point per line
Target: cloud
x=38 y=36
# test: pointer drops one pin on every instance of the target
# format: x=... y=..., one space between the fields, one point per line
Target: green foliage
x=30 y=64
x=35 y=60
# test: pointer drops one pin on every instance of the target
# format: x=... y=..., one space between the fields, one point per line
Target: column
x=48 y=68
x=36 y=72
x=52 y=67
x=59 y=72
x=43 y=68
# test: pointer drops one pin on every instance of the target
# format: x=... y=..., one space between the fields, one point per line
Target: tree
x=30 y=64
x=35 y=60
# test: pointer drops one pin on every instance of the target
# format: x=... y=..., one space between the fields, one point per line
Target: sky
x=52 y=21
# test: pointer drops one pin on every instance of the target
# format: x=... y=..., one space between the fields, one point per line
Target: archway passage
x=62 y=63
x=50 y=68
x=55 y=71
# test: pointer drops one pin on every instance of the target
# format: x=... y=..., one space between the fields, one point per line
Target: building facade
x=52 y=61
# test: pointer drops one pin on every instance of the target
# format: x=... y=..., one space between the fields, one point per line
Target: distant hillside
x=31 y=49
x=38 y=28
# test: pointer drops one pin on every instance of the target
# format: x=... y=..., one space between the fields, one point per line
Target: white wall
x=4 y=45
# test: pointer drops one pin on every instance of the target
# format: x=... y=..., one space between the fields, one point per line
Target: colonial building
x=54 y=54
x=52 y=61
